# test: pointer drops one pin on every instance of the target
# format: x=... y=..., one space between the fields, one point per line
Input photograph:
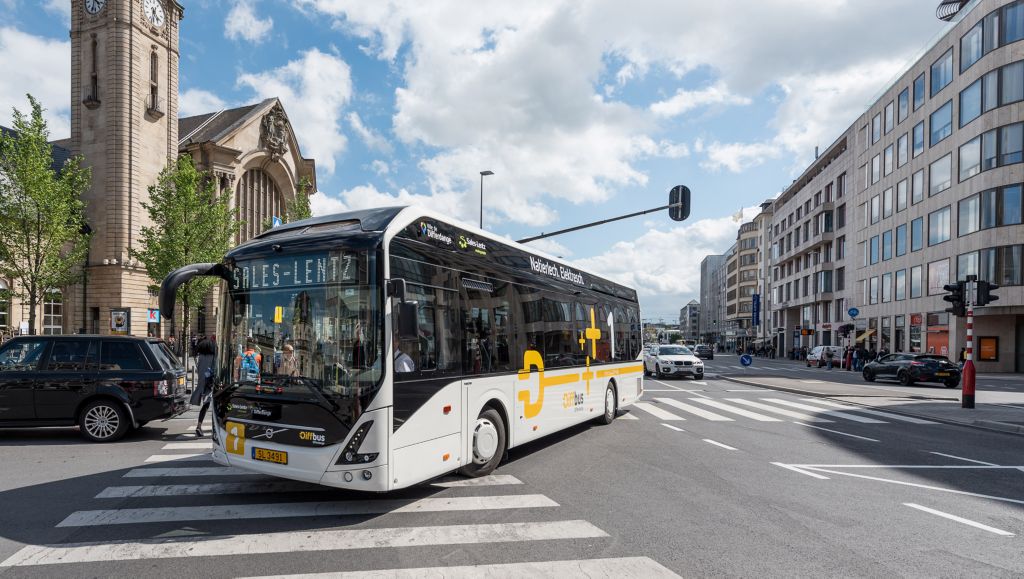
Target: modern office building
x=689 y=321
x=711 y=302
x=742 y=283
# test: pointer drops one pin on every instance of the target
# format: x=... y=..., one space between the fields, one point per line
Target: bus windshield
x=304 y=327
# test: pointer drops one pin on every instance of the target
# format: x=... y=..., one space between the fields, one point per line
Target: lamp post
x=482 y=175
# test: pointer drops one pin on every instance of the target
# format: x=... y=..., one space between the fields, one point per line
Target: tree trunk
x=33 y=302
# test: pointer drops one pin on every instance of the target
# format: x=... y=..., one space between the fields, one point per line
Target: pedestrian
x=172 y=343
x=289 y=363
x=856 y=358
x=828 y=357
x=202 y=393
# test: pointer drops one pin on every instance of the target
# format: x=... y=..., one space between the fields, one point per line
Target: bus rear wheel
x=489 y=444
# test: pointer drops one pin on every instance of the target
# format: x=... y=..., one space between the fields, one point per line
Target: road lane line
x=657 y=412
x=915 y=485
x=484 y=481
x=801 y=471
x=627 y=567
x=187 y=471
x=723 y=406
x=182 y=457
x=779 y=411
x=969 y=522
x=862 y=410
x=627 y=417
x=824 y=411
x=671 y=386
x=838 y=432
x=965 y=459
x=676 y=428
x=694 y=410
x=725 y=446
x=301 y=541
x=188 y=446
x=311 y=509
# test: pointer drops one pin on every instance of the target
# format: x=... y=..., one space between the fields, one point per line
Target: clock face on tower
x=94 y=6
x=154 y=12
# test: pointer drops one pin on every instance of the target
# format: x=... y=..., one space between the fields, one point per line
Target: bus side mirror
x=396 y=289
x=407 y=321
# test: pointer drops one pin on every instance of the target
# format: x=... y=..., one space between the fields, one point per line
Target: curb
x=990 y=425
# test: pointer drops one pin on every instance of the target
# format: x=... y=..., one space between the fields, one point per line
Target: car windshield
x=304 y=327
x=673 y=351
x=21 y=355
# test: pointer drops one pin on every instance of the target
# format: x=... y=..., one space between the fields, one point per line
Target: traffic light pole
x=967 y=394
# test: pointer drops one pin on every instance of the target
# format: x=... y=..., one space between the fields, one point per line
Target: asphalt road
x=701 y=478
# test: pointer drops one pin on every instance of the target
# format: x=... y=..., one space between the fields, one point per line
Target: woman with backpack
x=201 y=395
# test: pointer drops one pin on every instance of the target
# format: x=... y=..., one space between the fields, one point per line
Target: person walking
x=828 y=357
x=202 y=393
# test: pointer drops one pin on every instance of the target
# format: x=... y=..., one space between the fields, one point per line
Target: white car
x=816 y=357
x=673 y=361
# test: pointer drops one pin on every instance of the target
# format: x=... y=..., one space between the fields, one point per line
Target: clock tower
x=124 y=123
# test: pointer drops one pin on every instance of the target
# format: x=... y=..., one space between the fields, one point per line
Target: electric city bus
x=377 y=349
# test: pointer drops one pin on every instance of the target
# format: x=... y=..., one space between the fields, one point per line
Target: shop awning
x=864 y=336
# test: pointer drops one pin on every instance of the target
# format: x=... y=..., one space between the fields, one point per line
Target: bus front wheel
x=610 y=405
x=489 y=444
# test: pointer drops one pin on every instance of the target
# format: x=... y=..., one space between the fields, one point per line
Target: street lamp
x=482 y=175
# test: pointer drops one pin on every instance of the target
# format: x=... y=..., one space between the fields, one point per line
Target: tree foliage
x=192 y=223
x=43 y=239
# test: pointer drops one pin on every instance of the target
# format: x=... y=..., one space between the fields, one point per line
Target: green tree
x=192 y=223
x=43 y=239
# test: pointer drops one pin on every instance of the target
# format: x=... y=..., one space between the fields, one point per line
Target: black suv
x=704 y=351
x=106 y=385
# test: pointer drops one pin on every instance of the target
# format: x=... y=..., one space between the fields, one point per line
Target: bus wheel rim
x=609 y=402
x=101 y=421
x=485 y=441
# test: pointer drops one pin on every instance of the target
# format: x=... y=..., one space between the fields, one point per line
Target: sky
x=583 y=109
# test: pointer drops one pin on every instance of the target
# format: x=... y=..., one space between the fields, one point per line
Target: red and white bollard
x=967 y=395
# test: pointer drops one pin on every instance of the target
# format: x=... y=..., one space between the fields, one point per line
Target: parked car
x=816 y=357
x=704 y=351
x=107 y=385
x=673 y=361
x=910 y=368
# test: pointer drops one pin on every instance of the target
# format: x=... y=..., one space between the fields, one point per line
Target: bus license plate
x=942 y=373
x=267 y=455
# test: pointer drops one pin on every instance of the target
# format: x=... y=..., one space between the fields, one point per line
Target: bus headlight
x=351 y=453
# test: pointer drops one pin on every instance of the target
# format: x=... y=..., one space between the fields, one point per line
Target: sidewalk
x=998 y=411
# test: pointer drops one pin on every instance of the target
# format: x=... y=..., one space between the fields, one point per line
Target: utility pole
x=967 y=397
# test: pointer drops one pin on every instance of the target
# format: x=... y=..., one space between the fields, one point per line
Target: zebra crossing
x=209 y=502
x=814 y=410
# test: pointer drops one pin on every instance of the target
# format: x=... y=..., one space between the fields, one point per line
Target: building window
x=876 y=128
x=874 y=209
x=970 y=158
x=971 y=46
x=887 y=203
x=942 y=72
x=902 y=150
x=940 y=123
x=890 y=117
x=840 y=247
x=918 y=138
x=874 y=250
x=888 y=157
x=917 y=234
x=966 y=264
x=903 y=106
x=876 y=169
x=940 y=175
x=1010 y=144
x=970 y=103
x=873 y=292
x=53 y=313
x=94 y=79
x=917 y=187
x=1013 y=23
x=901 y=285
x=886 y=287
x=919 y=91
x=938 y=276
x=887 y=245
x=901 y=240
x=258 y=200
x=840 y=279
x=841 y=216
x=968 y=216
x=915 y=281
x=901 y=196
x=1011 y=83
x=938 y=226
x=154 y=84
x=989 y=209
x=1001 y=265
x=5 y=308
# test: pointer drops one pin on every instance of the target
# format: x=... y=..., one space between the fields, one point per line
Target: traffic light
x=985 y=296
x=679 y=203
x=956 y=297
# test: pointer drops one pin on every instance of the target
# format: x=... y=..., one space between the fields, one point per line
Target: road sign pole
x=967 y=397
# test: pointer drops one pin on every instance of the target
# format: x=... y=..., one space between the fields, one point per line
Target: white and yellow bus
x=377 y=349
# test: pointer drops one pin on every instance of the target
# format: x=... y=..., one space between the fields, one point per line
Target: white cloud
x=368 y=196
x=737 y=157
x=372 y=140
x=315 y=89
x=60 y=7
x=685 y=101
x=40 y=66
x=552 y=247
x=242 y=23
x=196 y=101
x=380 y=167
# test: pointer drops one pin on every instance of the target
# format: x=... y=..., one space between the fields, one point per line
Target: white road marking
x=780 y=411
x=838 y=432
x=915 y=485
x=913 y=466
x=301 y=541
x=725 y=446
x=627 y=417
x=801 y=471
x=624 y=567
x=702 y=383
x=723 y=406
x=676 y=428
x=871 y=412
x=969 y=522
x=484 y=481
x=965 y=459
x=657 y=412
x=188 y=446
x=820 y=410
x=755 y=390
x=737 y=367
x=182 y=457
x=312 y=509
x=185 y=471
x=694 y=410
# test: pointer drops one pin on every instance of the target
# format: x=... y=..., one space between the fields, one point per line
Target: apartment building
x=712 y=304
x=689 y=321
x=742 y=283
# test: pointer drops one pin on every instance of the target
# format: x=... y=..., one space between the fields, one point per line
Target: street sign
x=277 y=221
x=854 y=312
x=755 y=310
x=746 y=360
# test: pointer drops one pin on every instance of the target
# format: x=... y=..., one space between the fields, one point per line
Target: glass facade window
x=53 y=313
x=966 y=264
x=940 y=124
x=901 y=195
x=902 y=150
x=1010 y=144
x=1013 y=23
x=970 y=103
x=970 y=158
x=887 y=245
x=971 y=46
x=938 y=276
x=874 y=250
x=915 y=281
x=873 y=292
x=919 y=91
x=990 y=91
x=917 y=234
x=876 y=169
x=968 y=216
x=1002 y=265
x=890 y=116
x=886 y=287
x=917 y=187
x=901 y=285
x=903 y=105
x=1011 y=83
x=918 y=134
x=888 y=160
x=940 y=175
x=874 y=209
x=989 y=150
x=887 y=203
x=988 y=209
x=942 y=72
x=876 y=128
x=901 y=240
x=938 y=226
